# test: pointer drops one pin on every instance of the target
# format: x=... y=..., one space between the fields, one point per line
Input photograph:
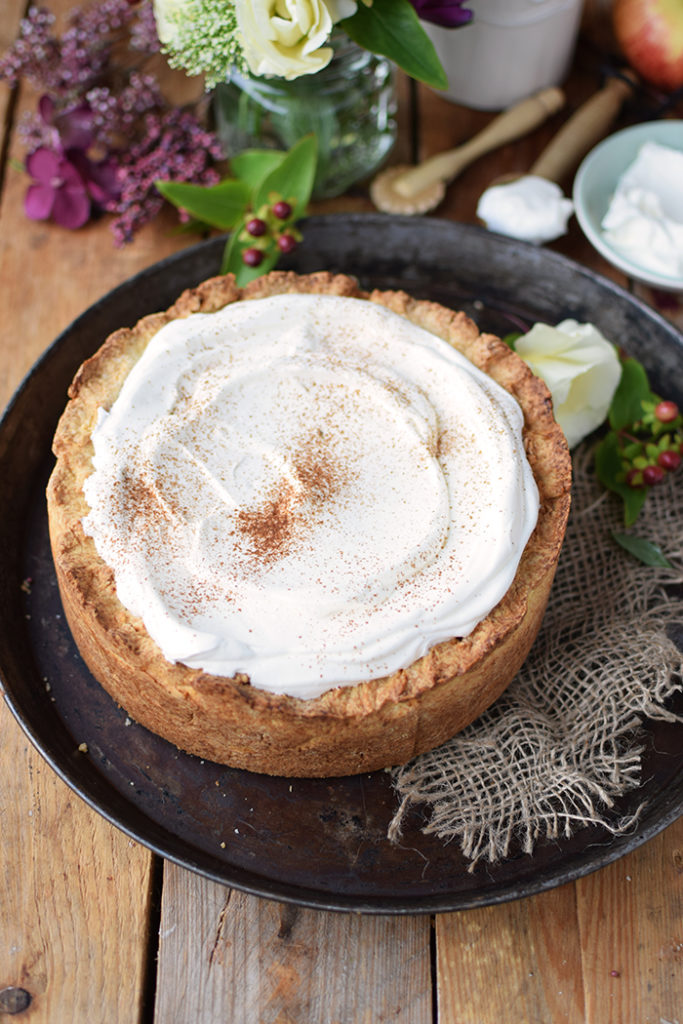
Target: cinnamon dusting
x=139 y=498
x=445 y=444
x=316 y=471
x=273 y=528
x=269 y=529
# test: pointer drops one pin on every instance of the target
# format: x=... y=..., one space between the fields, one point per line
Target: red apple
x=650 y=34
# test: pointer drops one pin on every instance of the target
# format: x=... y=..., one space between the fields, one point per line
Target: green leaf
x=608 y=468
x=290 y=176
x=190 y=227
x=229 y=258
x=644 y=550
x=511 y=338
x=632 y=391
x=221 y=205
x=293 y=178
x=252 y=165
x=392 y=28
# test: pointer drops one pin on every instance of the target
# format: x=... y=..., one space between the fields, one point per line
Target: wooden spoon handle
x=512 y=124
x=583 y=129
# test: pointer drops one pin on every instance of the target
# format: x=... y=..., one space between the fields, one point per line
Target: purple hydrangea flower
x=447 y=13
x=58 y=191
x=101 y=177
x=70 y=128
x=67 y=184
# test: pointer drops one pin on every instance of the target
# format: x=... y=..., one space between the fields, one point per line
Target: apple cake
x=303 y=529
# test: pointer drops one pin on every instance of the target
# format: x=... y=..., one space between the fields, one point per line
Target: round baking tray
x=315 y=842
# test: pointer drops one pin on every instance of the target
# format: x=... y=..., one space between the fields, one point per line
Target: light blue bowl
x=596 y=180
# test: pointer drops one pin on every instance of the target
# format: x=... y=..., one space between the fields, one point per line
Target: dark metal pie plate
x=318 y=843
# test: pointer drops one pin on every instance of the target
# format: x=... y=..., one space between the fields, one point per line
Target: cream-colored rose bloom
x=581 y=369
x=287 y=37
x=166 y=15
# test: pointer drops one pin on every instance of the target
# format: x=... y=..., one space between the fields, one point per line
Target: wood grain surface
x=283 y=964
x=96 y=930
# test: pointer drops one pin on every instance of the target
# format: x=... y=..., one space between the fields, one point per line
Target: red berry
x=286 y=243
x=666 y=412
x=282 y=210
x=256 y=227
x=634 y=478
x=252 y=257
x=653 y=475
x=669 y=460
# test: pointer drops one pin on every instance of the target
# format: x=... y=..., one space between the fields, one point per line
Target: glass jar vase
x=350 y=105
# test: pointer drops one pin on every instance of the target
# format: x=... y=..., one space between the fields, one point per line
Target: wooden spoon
x=583 y=129
x=418 y=189
x=577 y=136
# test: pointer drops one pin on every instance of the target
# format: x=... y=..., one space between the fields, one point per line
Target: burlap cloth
x=562 y=743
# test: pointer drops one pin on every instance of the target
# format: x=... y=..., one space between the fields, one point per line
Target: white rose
x=581 y=369
x=287 y=37
x=167 y=14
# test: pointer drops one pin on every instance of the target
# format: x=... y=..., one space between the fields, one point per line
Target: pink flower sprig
x=103 y=132
x=65 y=67
x=174 y=147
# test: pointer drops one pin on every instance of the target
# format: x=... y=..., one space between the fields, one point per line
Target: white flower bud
x=581 y=370
x=287 y=37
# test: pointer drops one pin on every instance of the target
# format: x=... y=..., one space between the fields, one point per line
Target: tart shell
x=349 y=729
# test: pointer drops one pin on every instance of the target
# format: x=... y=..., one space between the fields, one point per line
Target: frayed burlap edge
x=561 y=745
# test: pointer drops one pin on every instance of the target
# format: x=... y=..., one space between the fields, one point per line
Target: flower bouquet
x=281 y=70
x=291 y=38
x=104 y=135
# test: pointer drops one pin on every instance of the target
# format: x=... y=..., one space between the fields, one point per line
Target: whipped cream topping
x=308 y=489
x=644 y=221
x=530 y=208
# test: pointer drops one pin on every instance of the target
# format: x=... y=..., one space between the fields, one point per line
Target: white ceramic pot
x=509 y=50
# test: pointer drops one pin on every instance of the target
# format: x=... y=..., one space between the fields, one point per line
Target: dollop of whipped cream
x=644 y=221
x=308 y=489
x=532 y=209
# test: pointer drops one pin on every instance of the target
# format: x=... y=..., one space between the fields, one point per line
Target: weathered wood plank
x=228 y=956
x=74 y=892
x=74 y=897
x=630 y=917
x=12 y=12
x=516 y=962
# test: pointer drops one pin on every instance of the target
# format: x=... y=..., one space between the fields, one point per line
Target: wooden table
x=98 y=930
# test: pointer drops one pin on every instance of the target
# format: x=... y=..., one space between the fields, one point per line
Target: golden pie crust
x=349 y=729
